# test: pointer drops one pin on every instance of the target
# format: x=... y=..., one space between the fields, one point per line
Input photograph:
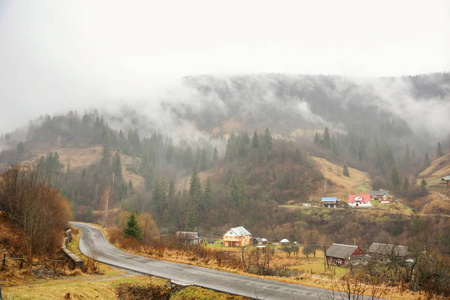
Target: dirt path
x=443 y=197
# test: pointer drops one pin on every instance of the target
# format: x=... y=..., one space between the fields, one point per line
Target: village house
x=188 y=237
x=284 y=242
x=330 y=201
x=388 y=252
x=237 y=237
x=344 y=255
x=356 y=201
x=380 y=195
x=445 y=181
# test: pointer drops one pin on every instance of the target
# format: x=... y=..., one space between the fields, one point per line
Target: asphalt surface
x=94 y=244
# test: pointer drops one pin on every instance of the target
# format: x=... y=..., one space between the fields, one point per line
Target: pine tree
x=268 y=143
x=326 y=138
x=440 y=152
x=423 y=184
x=406 y=184
x=426 y=161
x=208 y=197
x=255 y=140
x=215 y=154
x=317 y=139
x=345 y=171
x=132 y=229
x=116 y=165
x=395 y=178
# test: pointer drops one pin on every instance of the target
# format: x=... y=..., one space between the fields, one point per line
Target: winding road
x=94 y=244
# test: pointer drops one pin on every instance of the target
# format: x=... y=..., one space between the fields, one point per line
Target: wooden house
x=330 y=201
x=445 y=181
x=380 y=195
x=342 y=255
x=359 y=201
x=388 y=251
x=188 y=237
x=237 y=237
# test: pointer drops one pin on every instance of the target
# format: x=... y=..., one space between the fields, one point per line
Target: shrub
x=142 y=291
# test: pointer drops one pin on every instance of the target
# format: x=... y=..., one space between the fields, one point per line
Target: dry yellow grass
x=78 y=158
x=439 y=168
x=342 y=186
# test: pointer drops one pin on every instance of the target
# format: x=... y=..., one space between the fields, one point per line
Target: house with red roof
x=357 y=201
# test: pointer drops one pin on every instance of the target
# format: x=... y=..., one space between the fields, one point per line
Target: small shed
x=341 y=255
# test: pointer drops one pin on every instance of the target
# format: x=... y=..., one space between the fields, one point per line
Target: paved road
x=94 y=244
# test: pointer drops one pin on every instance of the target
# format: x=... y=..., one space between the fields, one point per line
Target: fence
x=21 y=259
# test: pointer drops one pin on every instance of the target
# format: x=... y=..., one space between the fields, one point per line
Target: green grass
x=316 y=266
x=362 y=188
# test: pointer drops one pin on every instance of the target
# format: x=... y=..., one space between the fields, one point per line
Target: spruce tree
x=255 y=140
x=327 y=138
x=426 y=161
x=395 y=178
x=345 y=171
x=440 y=152
x=132 y=229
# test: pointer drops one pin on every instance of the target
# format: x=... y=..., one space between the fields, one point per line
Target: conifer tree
x=268 y=143
x=395 y=178
x=116 y=165
x=406 y=184
x=317 y=139
x=255 y=140
x=440 y=152
x=426 y=161
x=215 y=154
x=345 y=171
x=133 y=229
x=326 y=138
x=208 y=197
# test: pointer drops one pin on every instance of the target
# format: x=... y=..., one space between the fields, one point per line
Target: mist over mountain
x=410 y=109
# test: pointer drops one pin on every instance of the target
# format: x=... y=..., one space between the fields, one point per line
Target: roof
x=386 y=249
x=329 y=199
x=189 y=235
x=341 y=251
x=380 y=192
x=364 y=198
x=239 y=231
x=446 y=178
x=284 y=241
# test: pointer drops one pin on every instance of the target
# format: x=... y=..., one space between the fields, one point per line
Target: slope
x=338 y=185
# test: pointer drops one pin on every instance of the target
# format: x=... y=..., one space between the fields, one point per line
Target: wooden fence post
x=4 y=259
x=21 y=262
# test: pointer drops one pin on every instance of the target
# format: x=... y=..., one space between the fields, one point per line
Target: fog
x=134 y=57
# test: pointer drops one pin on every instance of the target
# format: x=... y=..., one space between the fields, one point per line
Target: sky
x=58 y=55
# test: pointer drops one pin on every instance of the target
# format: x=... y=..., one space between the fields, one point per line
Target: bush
x=142 y=291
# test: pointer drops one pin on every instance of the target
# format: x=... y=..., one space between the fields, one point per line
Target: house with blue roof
x=330 y=201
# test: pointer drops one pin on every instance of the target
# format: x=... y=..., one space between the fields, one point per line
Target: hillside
x=338 y=185
x=438 y=168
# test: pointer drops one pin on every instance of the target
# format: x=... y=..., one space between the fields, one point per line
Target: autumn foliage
x=38 y=209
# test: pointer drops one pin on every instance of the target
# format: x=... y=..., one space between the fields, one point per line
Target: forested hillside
x=246 y=151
